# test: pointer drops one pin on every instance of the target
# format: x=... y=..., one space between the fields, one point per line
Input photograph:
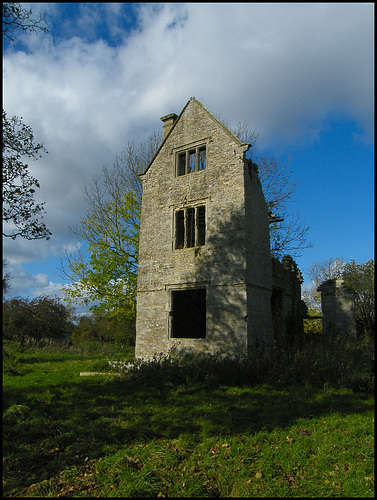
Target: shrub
x=338 y=362
x=104 y=329
x=11 y=363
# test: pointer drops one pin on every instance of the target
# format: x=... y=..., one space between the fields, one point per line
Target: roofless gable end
x=171 y=122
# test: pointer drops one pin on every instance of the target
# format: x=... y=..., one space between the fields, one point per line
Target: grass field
x=66 y=435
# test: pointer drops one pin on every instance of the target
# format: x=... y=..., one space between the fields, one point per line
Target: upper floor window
x=190 y=227
x=191 y=160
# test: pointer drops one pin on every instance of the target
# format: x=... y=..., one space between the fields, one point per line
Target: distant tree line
x=27 y=321
x=38 y=318
x=101 y=328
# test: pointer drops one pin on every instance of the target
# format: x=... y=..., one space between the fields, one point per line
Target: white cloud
x=282 y=67
x=30 y=285
x=21 y=280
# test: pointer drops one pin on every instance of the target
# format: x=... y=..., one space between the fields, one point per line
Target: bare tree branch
x=288 y=232
x=16 y=19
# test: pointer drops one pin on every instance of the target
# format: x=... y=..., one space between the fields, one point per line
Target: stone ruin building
x=338 y=308
x=206 y=280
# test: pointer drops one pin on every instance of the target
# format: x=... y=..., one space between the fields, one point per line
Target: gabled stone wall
x=232 y=269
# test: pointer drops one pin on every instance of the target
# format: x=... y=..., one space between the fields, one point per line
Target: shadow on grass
x=49 y=428
x=50 y=359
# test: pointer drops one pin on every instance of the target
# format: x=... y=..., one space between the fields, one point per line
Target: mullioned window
x=190 y=227
x=191 y=160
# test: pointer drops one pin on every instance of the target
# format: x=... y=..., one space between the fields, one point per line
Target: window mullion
x=185 y=228
x=196 y=227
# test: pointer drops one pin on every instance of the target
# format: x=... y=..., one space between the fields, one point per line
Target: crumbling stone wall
x=338 y=308
x=288 y=310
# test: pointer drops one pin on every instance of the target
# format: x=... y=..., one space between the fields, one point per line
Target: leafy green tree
x=84 y=330
x=102 y=328
x=109 y=275
x=15 y=317
x=6 y=277
x=39 y=318
x=107 y=271
x=19 y=207
x=20 y=213
x=360 y=277
x=313 y=326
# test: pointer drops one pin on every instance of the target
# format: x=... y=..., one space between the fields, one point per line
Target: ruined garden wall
x=338 y=308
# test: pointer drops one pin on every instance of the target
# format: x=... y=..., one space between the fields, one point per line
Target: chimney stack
x=169 y=121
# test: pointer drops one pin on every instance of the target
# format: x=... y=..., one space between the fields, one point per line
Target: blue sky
x=301 y=75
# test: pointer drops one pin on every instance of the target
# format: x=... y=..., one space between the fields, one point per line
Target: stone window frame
x=180 y=287
x=185 y=151
x=197 y=239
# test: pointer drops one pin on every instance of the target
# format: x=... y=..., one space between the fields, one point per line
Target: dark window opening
x=201 y=225
x=189 y=314
x=181 y=170
x=190 y=227
x=180 y=229
x=191 y=160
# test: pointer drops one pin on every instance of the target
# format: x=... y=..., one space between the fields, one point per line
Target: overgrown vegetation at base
x=336 y=362
x=283 y=422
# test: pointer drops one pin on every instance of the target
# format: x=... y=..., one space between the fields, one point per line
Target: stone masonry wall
x=237 y=298
x=259 y=272
x=338 y=307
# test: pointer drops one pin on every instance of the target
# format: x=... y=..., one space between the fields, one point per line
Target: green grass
x=189 y=437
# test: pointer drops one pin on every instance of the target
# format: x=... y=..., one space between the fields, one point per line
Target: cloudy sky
x=301 y=75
